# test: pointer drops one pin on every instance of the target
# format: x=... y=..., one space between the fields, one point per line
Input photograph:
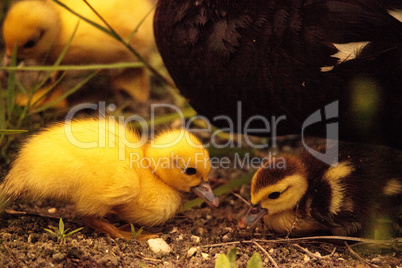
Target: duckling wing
x=121 y=189
x=342 y=223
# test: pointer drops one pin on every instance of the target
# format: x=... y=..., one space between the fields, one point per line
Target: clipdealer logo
x=328 y=114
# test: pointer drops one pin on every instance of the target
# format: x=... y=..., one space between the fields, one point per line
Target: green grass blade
x=3 y=124
x=11 y=131
x=74 y=231
x=51 y=232
x=49 y=89
x=11 y=84
x=65 y=49
x=53 y=68
x=119 y=65
x=66 y=94
x=222 y=261
x=232 y=257
x=96 y=25
x=61 y=226
x=138 y=26
x=255 y=261
x=21 y=88
x=187 y=113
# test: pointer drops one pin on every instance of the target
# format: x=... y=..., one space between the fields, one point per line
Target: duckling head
x=32 y=26
x=276 y=189
x=181 y=161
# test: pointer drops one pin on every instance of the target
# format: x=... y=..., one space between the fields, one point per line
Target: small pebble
x=205 y=256
x=376 y=260
x=195 y=238
x=159 y=246
x=52 y=210
x=59 y=256
x=191 y=252
x=180 y=238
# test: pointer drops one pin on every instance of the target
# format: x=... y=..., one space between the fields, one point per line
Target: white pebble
x=191 y=252
x=195 y=238
x=159 y=246
x=52 y=210
x=205 y=256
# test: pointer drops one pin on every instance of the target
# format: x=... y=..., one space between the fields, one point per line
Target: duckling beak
x=252 y=216
x=204 y=191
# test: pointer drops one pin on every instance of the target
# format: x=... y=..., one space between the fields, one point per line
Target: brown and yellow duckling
x=304 y=195
x=104 y=167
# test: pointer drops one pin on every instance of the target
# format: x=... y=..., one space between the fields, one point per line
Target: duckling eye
x=29 y=44
x=190 y=171
x=274 y=195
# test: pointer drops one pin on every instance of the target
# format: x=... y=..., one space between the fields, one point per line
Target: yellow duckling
x=299 y=194
x=103 y=167
x=41 y=36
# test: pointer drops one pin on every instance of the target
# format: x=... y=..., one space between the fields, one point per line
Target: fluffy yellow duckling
x=105 y=167
x=41 y=30
x=300 y=195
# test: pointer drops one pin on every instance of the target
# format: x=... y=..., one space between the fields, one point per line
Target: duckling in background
x=104 y=167
x=41 y=36
x=304 y=195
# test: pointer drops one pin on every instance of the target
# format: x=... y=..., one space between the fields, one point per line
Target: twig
x=24 y=213
x=332 y=253
x=358 y=256
x=12 y=255
x=266 y=253
x=241 y=198
x=308 y=252
x=307 y=239
x=347 y=238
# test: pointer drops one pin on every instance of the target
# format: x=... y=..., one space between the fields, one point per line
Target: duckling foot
x=103 y=226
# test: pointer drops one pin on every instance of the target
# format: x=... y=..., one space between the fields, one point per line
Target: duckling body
x=309 y=196
x=42 y=35
x=104 y=167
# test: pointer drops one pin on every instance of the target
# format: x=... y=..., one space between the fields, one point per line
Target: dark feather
x=268 y=54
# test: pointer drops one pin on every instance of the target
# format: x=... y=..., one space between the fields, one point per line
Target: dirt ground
x=195 y=236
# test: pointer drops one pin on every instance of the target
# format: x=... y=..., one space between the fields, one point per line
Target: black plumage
x=270 y=54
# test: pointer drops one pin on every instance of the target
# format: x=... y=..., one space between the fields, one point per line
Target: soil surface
x=195 y=237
